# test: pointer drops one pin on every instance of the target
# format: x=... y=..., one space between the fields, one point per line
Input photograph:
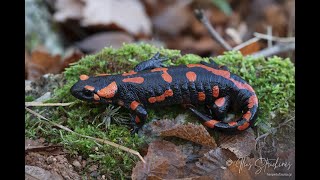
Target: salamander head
x=95 y=89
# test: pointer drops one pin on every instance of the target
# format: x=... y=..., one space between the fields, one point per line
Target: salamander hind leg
x=215 y=65
x=154 y=62
x=220 y=107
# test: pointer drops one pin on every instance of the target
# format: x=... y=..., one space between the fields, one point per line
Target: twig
x=46 y=104
x=269 y=32
x=41 y=148
x=89 y=137
x=274 y=38
x=244 y=44
x=274 y=129
x=274 y=50
x=214 y=34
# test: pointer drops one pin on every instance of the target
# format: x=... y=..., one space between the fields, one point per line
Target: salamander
x=152 y=85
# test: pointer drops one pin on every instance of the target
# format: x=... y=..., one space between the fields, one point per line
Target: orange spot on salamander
x=211 y=123
x=191 y=76
x=215 y=91
x=103 y=74
x=137 y=119
x=247 y=116
x=220 y=102
x=129 y=73
x=253 y=100
x=109 y=91
x=90 y=88
x=162 y=97
x=83 y=77
x=232 y=123
x=96 y=97
x=223 y=73
x=201 y=96
x=218 y=72
x=244 y=126
x=134 y=105
x=137 y=80
x=152 y=100
x=165 y=75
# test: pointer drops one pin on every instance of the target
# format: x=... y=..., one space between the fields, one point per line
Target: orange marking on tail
x=247 y=116
x=220 y=102
x=84 y=77
x=225 y=74
x=215 y=91
x=232 y=123
x=191 y=76
x=244 y=126
x=210 y=123
x=96 y=97
x=109 y=91
x=134 y=105
x=137 y=80
x=90 y=88
x=129 y=73
x=253 y=100
x=201 y=96
x=218 y=72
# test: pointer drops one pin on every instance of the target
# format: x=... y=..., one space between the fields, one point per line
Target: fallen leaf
x=42 y=62
x=163 y=160
x=191 y=132
x=98 y=41
x=251 y=48
x=241 y=144
x=173 y=19
x=126 y=14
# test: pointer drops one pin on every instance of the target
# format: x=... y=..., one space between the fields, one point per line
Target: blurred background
x=60 y=32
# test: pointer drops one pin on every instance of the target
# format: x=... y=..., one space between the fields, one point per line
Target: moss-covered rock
x=273 y=80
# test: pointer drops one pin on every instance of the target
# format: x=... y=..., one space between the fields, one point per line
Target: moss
x=272 y=79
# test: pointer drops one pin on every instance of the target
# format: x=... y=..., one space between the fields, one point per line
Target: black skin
x=184 y=92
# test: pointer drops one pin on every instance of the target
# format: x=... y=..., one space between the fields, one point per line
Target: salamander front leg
x=138 y=116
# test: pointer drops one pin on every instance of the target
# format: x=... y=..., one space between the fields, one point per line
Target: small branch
x=274 y=50
x=274 y=38
x=214 y=34
x=275 y=129
x=269 y=32
x=89 y=137
x=244 y=44
x=46 y=104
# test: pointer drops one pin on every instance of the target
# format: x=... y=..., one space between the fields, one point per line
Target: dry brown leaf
x=98 y=41
x=240 y=144
x=42 y=62
x=251 y=48
x=213 y=163
x=126 y=14
x=191 y=132
x=164 y=160
x=173 y=19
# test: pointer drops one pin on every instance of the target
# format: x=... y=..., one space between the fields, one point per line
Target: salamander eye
x=87 y=93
